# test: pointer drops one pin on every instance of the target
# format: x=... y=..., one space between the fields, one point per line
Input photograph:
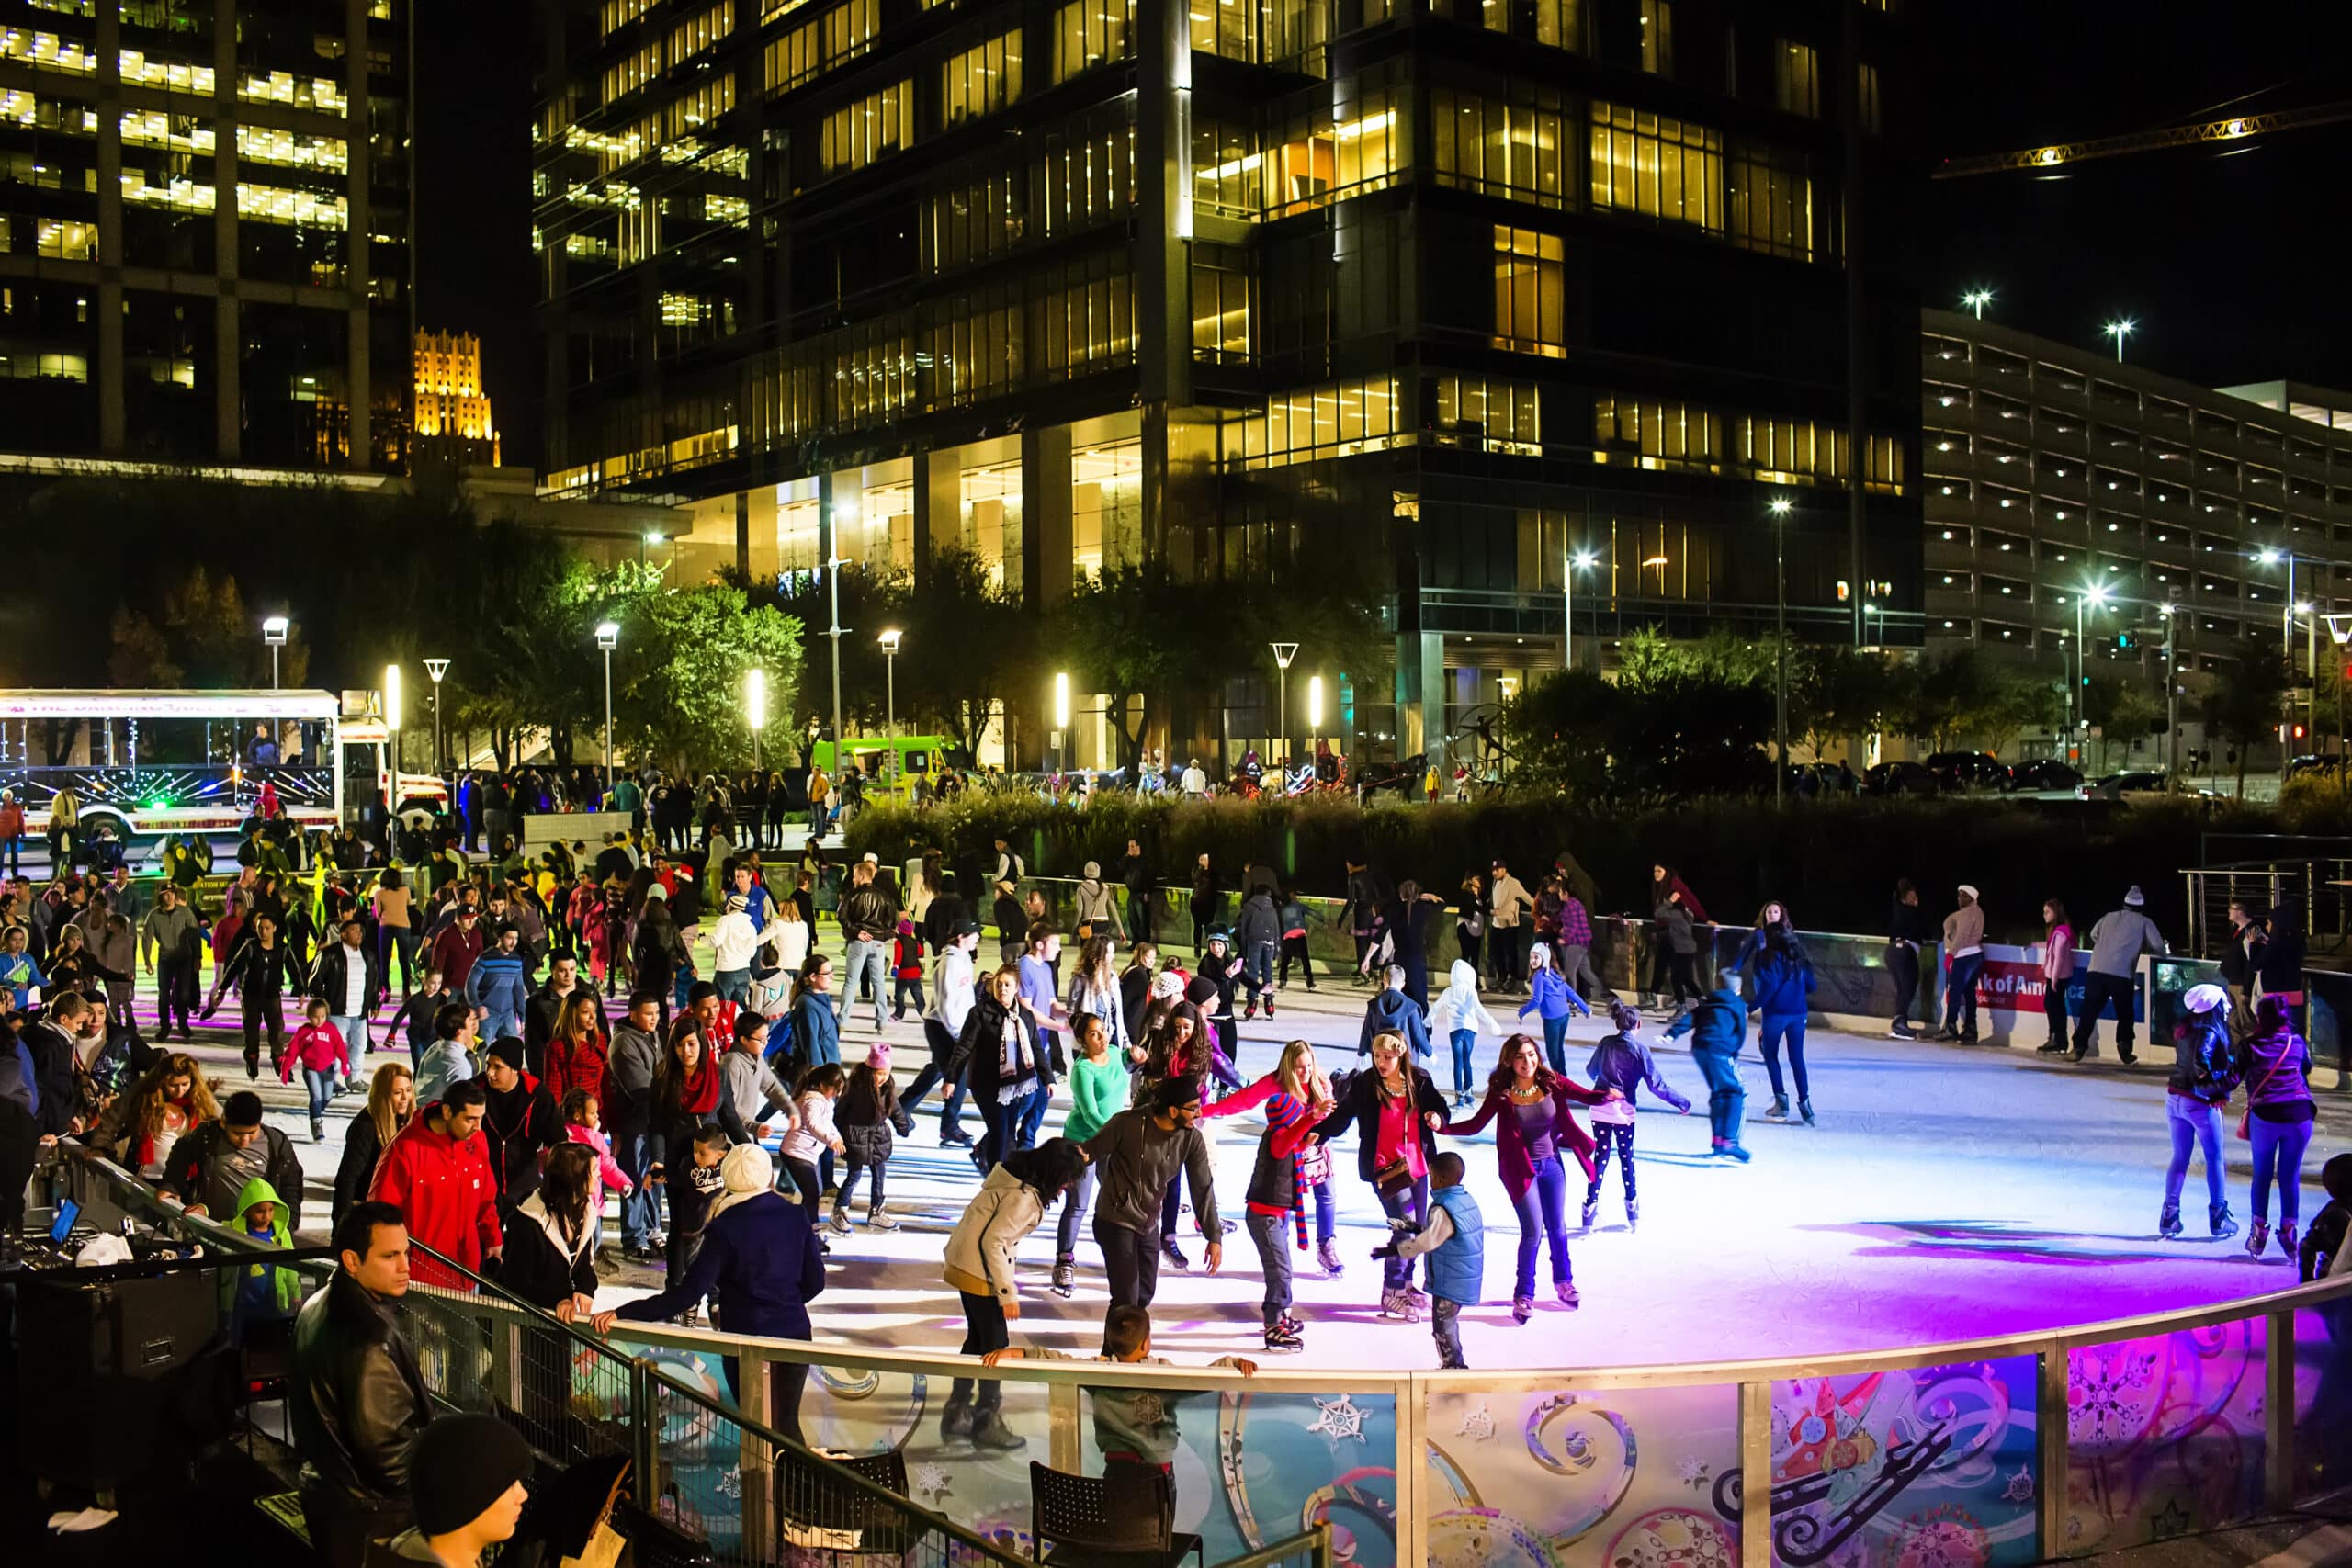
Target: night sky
x=2225 y=257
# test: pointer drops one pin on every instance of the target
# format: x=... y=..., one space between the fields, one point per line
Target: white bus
x=157 y=762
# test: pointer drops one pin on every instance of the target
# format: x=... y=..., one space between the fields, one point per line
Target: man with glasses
x=1138 y=1152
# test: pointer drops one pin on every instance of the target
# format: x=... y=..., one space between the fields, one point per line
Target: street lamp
x=392 y=721
x=1283 y=653
x=608 y=637
x=1977 y=300
x=755 y=706
x=2172 y=689
x=2287 y=614
x=889 y=640
x=437 y=668
x=834 y=562
x=2118 y=331
x=1314 y=707
x=1780 y=511
x=2093 y=594
x=653 y=539
x=1061 y=713
x=272 y=637
x=1581 y=561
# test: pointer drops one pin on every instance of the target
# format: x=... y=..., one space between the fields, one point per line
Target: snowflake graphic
x=730 y=1484
x=1337 y=1419
x=2107 y=1396
x=931 y=1481
x=2021 y=1486
x=1693 y=1472
x=1478 y=1424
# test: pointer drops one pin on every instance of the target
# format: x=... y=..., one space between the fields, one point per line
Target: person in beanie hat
x=2204 y=1074
x=2117 y=942
x=467 y=1477
x=1963 y=962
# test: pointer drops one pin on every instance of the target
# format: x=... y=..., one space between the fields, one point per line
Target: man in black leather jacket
x=356 y=1399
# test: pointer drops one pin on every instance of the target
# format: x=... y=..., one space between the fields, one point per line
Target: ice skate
x=2257 y=1238
x=1065 y=1278
x=1174 y=1253
x=1592 y=1208
x=1569 y=1297
x=2168 y=1225
x=1633 y=1214
x=1328 y=1252
x=2217 y=1219
x=1281 y=1340
x=1779 y=1110
x=1522 y=1308
x=1395 y=1304
x=879 y=1218
x=1804 y=1112
x=2289 y=1242
x=989 y=1431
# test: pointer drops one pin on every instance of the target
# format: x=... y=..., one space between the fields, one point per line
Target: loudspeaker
x=114 y=1385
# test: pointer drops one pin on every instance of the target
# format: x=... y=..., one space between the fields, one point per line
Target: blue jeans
x=1012 y=1125
x=2279 y=1150
x=864 y=958
x=1789 y=1027
x=734 y=985
x=1960 y=994
x=641 y=1210
x=1257 y=968
x=1404 y=1204
x=355 y=1036
x=1555 y=1043
x=1543 y=1215
x=1464 y=1041
x=2193 y=1122
x=322 y=1085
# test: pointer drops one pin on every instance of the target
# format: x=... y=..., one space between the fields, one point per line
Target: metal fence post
x=1756 y=1475
x=645 y=1430
x=753 y=1464
x=2278 y=1409
x=2050 y=1433
x=1062 y=1402
x=1412 y=1472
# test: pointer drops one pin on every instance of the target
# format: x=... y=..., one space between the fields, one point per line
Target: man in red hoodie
x=436 y=1172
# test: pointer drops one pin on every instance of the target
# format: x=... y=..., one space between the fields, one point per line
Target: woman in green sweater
x=1098 y=1087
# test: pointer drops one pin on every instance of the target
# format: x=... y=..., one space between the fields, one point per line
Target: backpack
x=784 y=1048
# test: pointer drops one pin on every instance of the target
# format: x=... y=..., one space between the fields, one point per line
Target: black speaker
x=114 y=1384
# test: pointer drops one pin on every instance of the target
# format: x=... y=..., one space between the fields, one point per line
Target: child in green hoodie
x=261 y=1289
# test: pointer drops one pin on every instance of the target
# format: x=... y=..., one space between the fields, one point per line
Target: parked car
x=2115 y=787
x=2309 y=764
x=1899 y=778
x=2044 y=772
x=1964 y=771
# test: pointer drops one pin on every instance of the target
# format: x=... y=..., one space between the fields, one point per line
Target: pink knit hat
x=878 y=1054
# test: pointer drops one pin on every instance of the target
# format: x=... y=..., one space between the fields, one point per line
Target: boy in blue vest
x=1455 y=1243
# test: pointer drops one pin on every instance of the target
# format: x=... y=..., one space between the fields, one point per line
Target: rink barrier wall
x=2002 y=1450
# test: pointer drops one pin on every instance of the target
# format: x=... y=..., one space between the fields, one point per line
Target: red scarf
x=147 y=1139
x=698 y=1091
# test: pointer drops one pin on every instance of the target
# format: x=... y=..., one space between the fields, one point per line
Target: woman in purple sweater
x=1530 y=1105
x=2278 y=1120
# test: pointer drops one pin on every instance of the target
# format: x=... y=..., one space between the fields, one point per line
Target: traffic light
x=2299 y=732
x=2124 y=642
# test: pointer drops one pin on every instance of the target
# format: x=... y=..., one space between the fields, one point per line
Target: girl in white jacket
x=1459 y=1015
x=979 y=1263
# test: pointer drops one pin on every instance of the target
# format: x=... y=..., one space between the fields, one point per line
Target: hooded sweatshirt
x=445 y=1190
x=1394 y=1011
x=262 y=1289
x=1458 y=1007
x=1552 y=997
x=1716 y=1024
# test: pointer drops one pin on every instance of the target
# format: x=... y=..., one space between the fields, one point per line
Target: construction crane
x=2237 y=127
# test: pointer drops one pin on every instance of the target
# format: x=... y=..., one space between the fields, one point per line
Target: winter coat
x=1458 y=1007
x=1716 y=1024
x=353 y=1173
x=1626 y=1065
x=982 y=1047
x=1395 y=1012
x=543 y=1265
x=1258 y=923
x=2278 y=1068
x=496 y=984
x=735 y=941
x=1551 y=996
x=1458 y=1264
x=356 y=1401
x=979 y=1259
x=760 y=1259
x=1097 y=912
x=314 y=1048
x=1360 y=1107
x=1784 y=984
x=445 y=1192
x=633 y=1060
x=2204 y=1065
x=816 y=1031
x=2120 y=936
x=522 y=1125
x=1674 y=929
x=585 y=1063
x=199 y=1171
x=330 y=977
x=864 y=1115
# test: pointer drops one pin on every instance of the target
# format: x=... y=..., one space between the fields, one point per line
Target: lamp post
x=1315 y=709
x=1283 y=653
x=2339 y=632
x=608 y=637
x=833 y=563
x=2092 y=594
x=2310 y=662
x=2171 y=690
x=1977 y=300
x=392 y=722
x=889 y=641
x=2286 y=634
x=755 y=706
x=1780 y=510
x=437 y=668
x=2118 y=331
x=1569 y=566
x=1061 y=714
x=272 y=637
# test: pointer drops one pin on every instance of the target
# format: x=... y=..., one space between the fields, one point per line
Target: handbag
x=1393 y=1177
x=2245 y=1117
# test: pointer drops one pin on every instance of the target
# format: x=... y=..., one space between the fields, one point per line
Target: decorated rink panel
x=2165 y=1435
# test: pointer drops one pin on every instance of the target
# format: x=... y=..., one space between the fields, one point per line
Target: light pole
x=393 y=723
x=833 y=561
x=2118 y=331
x=608 y=637
x=2310 y=662
x=1061 y=716
x=652 y=539
x=2286 y=635
x=2092 y=594
x=1569 y=566
x=437 y=668
x=1977 y=300
x=2339 y=632
x=272 y=637
x=1315 y=709
x=1780 y=510
x=2172 y=689
x=889 y=641
x=1283 y=653
x=755 y=706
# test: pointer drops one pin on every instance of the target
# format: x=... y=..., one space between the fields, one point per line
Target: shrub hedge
x=1833 y=862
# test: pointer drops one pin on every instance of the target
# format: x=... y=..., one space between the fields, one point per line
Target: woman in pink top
x=2057 y=972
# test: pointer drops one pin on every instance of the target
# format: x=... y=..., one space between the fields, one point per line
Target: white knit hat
x=746 y=1172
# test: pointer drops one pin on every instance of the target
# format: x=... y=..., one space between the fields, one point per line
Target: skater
x=1781 y=983
x=2327 y=1245
x=1275 y=1209
x=1004 y=1061
x=2117 y=942
x=1716 y=1027
x=1391 y=1011
x=1622 y=1063
x=1361 y=913
x=1507 y=902
x=2057 y=974
x=1137 y=1155
x=1394 y=1111
x=1554 y=1002
x=1258 y=933
x=1213 y=991
x=1298 y=1090
x=1529 y=1104
x=1572 y=953
x=1470 y=918
x=2204 y=1072
x=1678 y=943
x=1095 y=911
x=1206 y=899
x=1099 y=1087
x=317 y=1049
x=952 y=994
x=1667 y=887
x=1459 y=1016
x=2277 y=1121
x=864 y=1119
x=1293 y=916
x=1455 y=1241
x=1964 y=961
x=1094 y=990
x=1906 y=930
x=1143 y=892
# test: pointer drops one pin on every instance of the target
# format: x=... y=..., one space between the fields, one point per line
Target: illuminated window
x=171 y=75
x=1225 y=169
x=301 y=92
x=795 y=58
x=65 y=239
x=179 y=132
x=685 y=309
x=975 y=219
x=45 y=52
x=1659 y=436
x=632 y=71
x=1770 y=198
x=1797 y=79
x=1225 y=300
x=266 y=204
x=1106 y=505
x=1086 y=315
x=981 y=80
x=688 y=116
x=849 y=30
x=1329 y=421
x=872 y=128
x=976 y=344
x=1501 y=149
x=1531 y=288
x=1554 y=22
x=700 y=32
x=1324 y=155
x=1658 y=37
x=1659 y=167
x=262 y=145
x=1090 y=169
x=1088 y=33
x=1867 y=87
x=1505 y=415
x=618 y=14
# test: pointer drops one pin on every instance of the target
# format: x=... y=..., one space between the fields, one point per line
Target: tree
x=1137 y=634
x=201 y=636
x=1966 y=694
x=967 y=642
x=1836 y=692
x=2243 y=704
x=678 y=685
x=1668 y=729
x=871 y=601
x=2122 y=709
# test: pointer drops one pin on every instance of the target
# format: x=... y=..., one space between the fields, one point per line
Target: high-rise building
x=1458 y=292
x=454 y=424
x=204 y=231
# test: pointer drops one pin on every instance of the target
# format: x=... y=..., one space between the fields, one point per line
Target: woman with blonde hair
x=392 y=1100
x=1297 y=1094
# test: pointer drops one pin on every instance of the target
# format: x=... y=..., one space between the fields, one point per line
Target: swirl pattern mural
x=2165 y=1435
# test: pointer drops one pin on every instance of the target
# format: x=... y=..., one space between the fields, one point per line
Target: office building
x=2060 y=482
x=1453 y=292
x=204 y=231
x=453 y=421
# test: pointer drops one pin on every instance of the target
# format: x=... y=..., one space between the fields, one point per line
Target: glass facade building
x=204 y=231
x=1453 y=289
